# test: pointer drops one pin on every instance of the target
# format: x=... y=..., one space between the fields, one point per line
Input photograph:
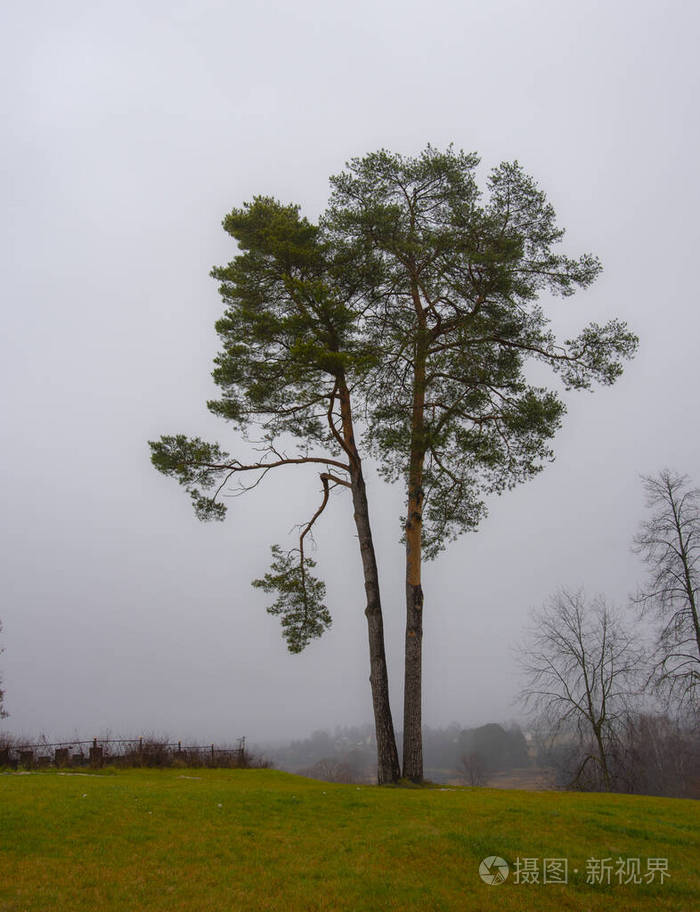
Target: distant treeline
x=349 y=754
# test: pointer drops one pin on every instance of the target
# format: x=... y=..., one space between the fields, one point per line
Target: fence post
x=96 y=754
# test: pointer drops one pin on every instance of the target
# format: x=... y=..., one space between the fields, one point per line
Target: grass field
x=253 y=840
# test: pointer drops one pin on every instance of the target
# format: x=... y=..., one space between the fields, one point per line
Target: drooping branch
x=307 y=528
x=299 y=594
x=200 y=466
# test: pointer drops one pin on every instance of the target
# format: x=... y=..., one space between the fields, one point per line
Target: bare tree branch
x=668 y=542
x=581 y=669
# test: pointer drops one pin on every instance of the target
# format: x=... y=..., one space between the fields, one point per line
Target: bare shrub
x=151 y=751
x=251 y=760
x=7 y=747
x=471 y=769
x=657 y=755
x=329 y=769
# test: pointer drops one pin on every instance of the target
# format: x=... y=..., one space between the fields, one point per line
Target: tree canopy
x=285 y=340
x=415 y=302
x=451 y=300
x=290 y=351
x=452 y=304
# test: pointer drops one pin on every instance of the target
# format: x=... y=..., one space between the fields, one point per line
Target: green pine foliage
x=300 y=598
x=456 y=278
x=198 y=466
x=287 y=334
x=413 y=267
x=287 y=328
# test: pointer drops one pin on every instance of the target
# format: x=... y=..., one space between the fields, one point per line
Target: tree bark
x=388 y=769
x=602 y=753
x=413 y=671
x=687 y=574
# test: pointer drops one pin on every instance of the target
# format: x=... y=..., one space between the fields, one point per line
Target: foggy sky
x=129 y=131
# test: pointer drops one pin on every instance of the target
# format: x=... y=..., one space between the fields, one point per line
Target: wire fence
x=121 y=752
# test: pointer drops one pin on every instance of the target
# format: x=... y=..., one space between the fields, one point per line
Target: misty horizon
x=129 y=134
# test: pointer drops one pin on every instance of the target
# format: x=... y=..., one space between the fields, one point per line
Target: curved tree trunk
x=388 y=769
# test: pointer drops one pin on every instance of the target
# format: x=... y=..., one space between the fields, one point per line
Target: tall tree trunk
x=388 y=769
x=413 y=672
x=603 y=757
x=685 y=561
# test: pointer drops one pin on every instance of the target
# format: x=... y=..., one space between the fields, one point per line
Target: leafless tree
x=581 y=668
x=669 y=543
x=330 y=769
x=657 y=754
x=471 y=769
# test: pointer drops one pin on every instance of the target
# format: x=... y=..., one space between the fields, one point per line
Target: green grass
x=253 y=840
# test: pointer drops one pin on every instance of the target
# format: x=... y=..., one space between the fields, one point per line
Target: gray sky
x=129 y=130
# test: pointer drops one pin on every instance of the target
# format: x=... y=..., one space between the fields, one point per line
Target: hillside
x=220 y=840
